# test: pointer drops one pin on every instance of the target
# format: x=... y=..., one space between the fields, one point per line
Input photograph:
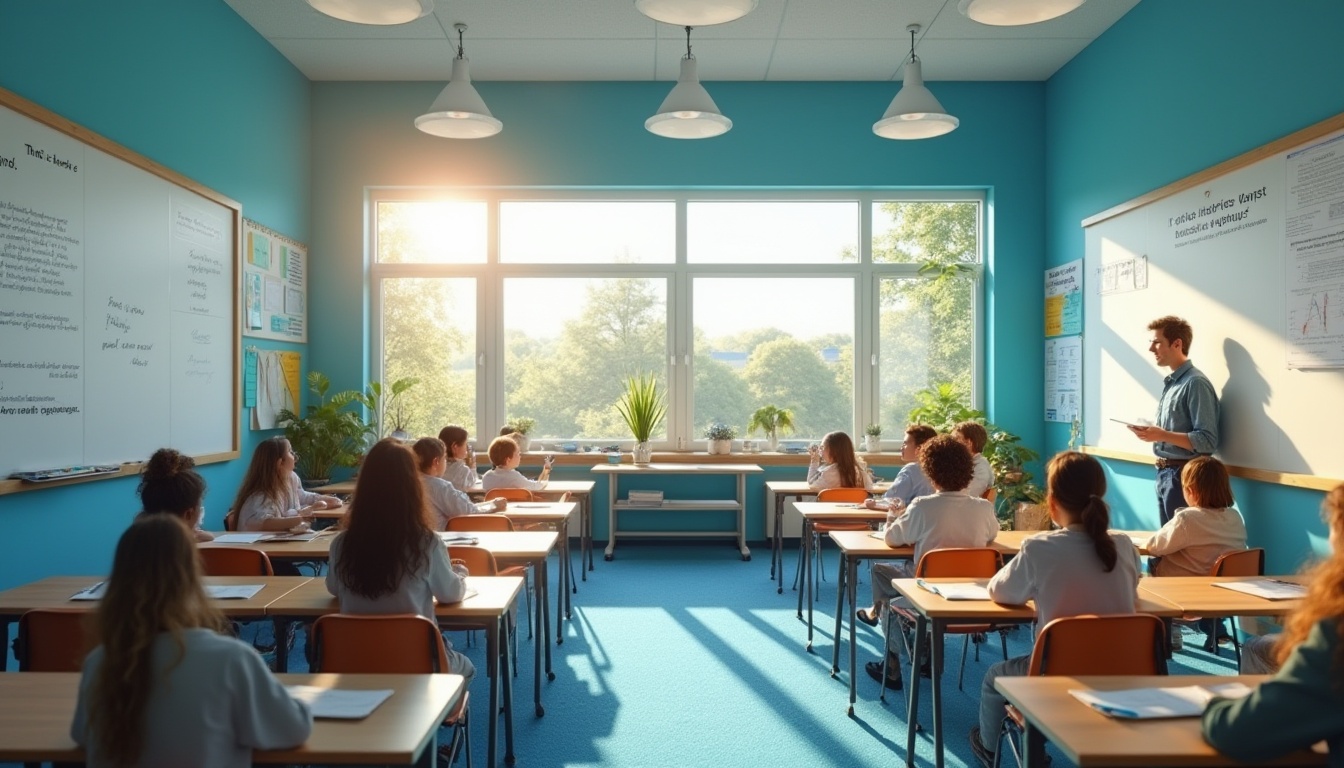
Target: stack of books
x=646 y=498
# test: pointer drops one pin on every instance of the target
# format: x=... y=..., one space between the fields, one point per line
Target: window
x=839 y=306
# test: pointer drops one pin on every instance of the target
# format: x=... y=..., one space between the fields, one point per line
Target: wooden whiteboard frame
x=89 y=138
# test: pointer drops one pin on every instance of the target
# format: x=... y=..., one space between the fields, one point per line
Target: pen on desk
x=93 y=589
x=1116 y=711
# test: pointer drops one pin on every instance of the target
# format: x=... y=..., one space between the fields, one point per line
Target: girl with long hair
x=165 y=687
x=1079 y=569
x=271 y=497
x=388 y=559
x=835 y=465
x=1304 y=702
x=169 y=484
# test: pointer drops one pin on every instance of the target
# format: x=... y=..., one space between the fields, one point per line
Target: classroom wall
x=592 y=135
x=1169 y=90
x=189 y=85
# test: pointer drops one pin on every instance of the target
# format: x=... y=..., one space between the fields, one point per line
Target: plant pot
x=1031 y=517
x=524 y=442
x=773 y=442
x=872 y=443
x=316 y=482
x=720 y=447
x=400 y=434
x=643 y=453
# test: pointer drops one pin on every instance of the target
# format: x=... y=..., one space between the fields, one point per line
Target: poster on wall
x=1064 y=299
x=1063 y=378
x=1314 y=244
x=275 y=285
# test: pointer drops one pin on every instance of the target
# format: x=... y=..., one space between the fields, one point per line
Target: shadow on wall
x=1247 y=434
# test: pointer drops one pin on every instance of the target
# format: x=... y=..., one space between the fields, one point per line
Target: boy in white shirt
x=973 y=435
x=445 y=500
x=505 y=456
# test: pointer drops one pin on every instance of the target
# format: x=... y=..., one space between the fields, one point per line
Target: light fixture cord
x=462 y=55
x=688 y=43
x=912 y=46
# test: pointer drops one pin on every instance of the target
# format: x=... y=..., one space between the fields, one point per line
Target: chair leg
x=821 y=557
x=1003 y=637
x=961 y=673
x=798 y=571
x=527 y=597
x=1236 y=639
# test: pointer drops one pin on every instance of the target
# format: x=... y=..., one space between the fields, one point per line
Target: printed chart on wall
x=270 y=385
x=1064 y=299
x=275 y=285
x=1064 y=357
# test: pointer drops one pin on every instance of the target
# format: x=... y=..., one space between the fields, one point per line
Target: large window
x=838 y=306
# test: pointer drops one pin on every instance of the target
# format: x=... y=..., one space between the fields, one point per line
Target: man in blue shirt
x=1187 y=413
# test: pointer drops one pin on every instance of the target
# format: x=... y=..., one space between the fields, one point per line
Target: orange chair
x=235 y=561
x=509 y=494
x=52 y=640
x=395 y=644
x=468 y=523
x=1244 y=562
x=1121 y=644
x=991 y=493
x=956 y=563
x=840 y=496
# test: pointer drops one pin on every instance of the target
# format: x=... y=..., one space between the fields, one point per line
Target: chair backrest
x=564 y=497
x=843 y=495
x=235 y=561
x=991 y=493
x=509 y=494
x=392 y=644
x=52 y=640
x=960 y=562
x=480 y=561
x=1118 y=644
x=1243 y=562
x=480 y=523
x=231 y=520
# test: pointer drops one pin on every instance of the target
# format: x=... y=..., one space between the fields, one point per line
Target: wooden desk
x=487 y=608
x=814 y=512
x=1010 y=542
x=316 y=549
x=738 y=505
x=55 y=592
x=936 y=613
x=1092 y=740
x=1196 y=595
x=780 y=491
x=36 y=709
x=557 y=514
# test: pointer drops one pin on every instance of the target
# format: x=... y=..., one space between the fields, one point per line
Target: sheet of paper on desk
x=458 y=538
x=1154 y=703
x=92 y=592
x=959 y=590
x=1266 y=588
x=305 y=536
x=232 y=592
x=339 y=703
x=240 y=538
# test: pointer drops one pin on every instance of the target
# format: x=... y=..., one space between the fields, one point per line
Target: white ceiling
x=782 y=40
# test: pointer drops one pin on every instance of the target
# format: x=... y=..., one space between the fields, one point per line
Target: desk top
x=517 y=545
x=494 y=595
x=828 y=511
x=535 y=511
x=575 y=487
x=55 y=592
x=36 y=709
x=1010 y=542
x=1197 y=596
x=676 y=469
x=1091 y=739
x=861 y=544
x=937 y=606
x=801 y=488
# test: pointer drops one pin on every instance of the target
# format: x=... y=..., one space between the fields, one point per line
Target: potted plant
x=872 y=440
x=643 y=406
x=330 y=434
x=720 y=437
x=1020 y=499
x=771 y=421
x=523 y=426
x=387 y=413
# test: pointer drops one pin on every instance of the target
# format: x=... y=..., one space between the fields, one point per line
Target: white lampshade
x=381 y=12
x=1013 y=13
x=695 y=13
x=459 y=112
x=688 y=112
x=914 y=113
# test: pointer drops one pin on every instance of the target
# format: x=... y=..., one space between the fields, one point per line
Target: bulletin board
x=275 y=285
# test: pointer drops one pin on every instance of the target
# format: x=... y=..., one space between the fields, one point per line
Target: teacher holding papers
x=1187 y=413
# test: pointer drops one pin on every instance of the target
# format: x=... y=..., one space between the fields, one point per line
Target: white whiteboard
x=118 y=296
x=1228 y=255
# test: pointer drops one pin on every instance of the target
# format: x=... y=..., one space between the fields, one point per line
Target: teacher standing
x=1187 y=413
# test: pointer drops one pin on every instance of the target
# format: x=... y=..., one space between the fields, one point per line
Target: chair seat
x=463 y=704
x=1015 y=715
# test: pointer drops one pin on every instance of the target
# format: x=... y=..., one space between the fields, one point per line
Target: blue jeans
x=1170 y=495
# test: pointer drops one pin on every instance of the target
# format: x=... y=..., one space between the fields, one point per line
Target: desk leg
x=839 y=602
x=777 y=554
x=506 y=679
x=1033 y=747
x=936 y=668
x=807 y=577
x=851 y=585
x=611 y=518
x=912 y=721
x=566 y=581
x=282 y=645
x=742 y=517
x=497 y=660
x=543 y=634
x=586 y=542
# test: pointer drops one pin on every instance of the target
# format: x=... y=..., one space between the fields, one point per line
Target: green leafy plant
x=329 y=434
x=873 y=430
x=719 y=431
x=387 y=412
x=523 y=424
x=642 y=405
x=942 y=407
x=771 y=420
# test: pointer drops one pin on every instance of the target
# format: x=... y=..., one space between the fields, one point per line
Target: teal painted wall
x=189 y=85
x=1169 y=90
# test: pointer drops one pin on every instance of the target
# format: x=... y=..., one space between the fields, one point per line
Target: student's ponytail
x=1076 y=484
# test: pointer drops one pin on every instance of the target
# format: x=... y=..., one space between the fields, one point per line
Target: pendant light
x=459 y=112
x=695 y=13
x=688 y=112
x=914 y=113
x=381 y=12
x=1014 y=13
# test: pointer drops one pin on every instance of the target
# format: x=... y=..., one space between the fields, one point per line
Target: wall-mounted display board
x=118 y=302
x=1251 y=253
x=275 y=285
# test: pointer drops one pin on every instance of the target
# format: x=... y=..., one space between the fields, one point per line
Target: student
x=1193 y=540
x=170 y=485
x=973 y=435
x=271 y=497
x=460 y=469
x=1081 y=568
x=946 y=518
x=165 y=686
x=506 y=456
x=445 y=501
x=388 y=559
x=842 y=469
x=910 y=482
x=1304 y=702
